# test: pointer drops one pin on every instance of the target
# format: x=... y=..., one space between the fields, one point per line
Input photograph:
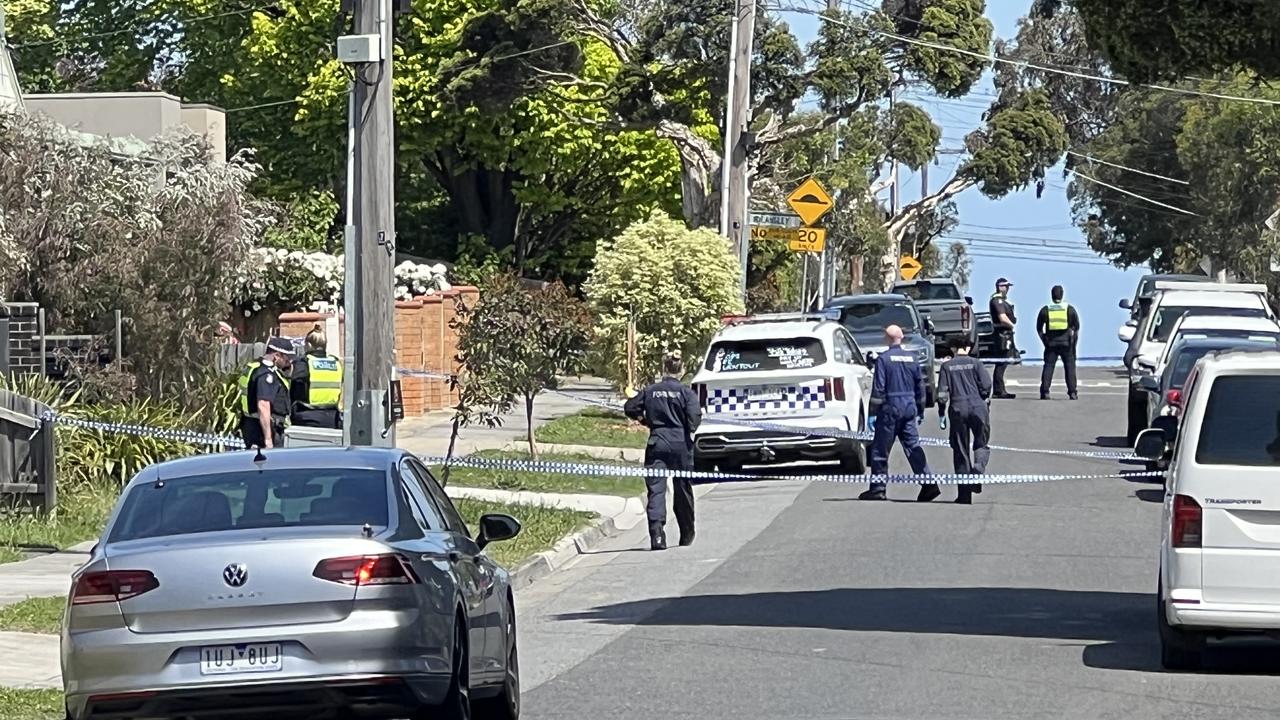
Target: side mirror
x=928 y=325
x=1149 y=383
x=1147 y=362
x=1151 y=444
x=1126 y=333
x=968 y=299
x=495 y=528
x=1126 y=304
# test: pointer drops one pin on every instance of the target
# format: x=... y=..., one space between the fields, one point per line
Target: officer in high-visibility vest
x=264 y=396
x=316 y=386
x=1058 y=326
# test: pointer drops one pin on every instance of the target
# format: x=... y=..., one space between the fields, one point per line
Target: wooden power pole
x=370 y=296
x=737 y=224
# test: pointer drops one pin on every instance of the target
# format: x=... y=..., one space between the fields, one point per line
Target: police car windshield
x=865 y=317
x=929 y=291
x=762 y=355
x=1167 y=316
x=1241 y=424
x=252 y=499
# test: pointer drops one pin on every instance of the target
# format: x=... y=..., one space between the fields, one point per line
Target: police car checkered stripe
x=806 y=396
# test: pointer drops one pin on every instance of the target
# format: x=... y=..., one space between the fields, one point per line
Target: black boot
x=964 y=495
x=875 y=493
x=657 y=537
x=686 y=537
x=928 y=493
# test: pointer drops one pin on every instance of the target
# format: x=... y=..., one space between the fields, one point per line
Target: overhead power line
x=138 y=25
x=1023 y=64
x=1126 y=168
x=1130 y=193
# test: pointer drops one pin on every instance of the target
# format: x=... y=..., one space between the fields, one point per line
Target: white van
x=1220 y=551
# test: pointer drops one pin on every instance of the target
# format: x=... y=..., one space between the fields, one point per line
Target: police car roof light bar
x=824 y=316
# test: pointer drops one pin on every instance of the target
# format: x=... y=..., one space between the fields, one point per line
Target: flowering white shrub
x=294 y=280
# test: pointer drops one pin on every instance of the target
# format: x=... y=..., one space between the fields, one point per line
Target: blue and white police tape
x=703 y=477
x=1040 y=360
x=191 y=437
x=864 y=436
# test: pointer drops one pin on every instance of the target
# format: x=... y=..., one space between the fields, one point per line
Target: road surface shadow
x=1111 y=441
x=1150 y=495
x=1120 y=626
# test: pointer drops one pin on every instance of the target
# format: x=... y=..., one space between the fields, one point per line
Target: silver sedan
x=316 y=583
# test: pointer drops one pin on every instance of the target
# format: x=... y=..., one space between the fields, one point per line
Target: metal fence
x=28 y=449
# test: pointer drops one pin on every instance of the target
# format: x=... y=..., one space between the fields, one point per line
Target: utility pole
x=735 y=221
x=369 y=301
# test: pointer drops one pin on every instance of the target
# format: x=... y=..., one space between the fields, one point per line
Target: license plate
x=764 y=393
x=235 y=659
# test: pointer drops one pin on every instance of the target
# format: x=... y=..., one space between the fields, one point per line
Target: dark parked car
x=866 y=317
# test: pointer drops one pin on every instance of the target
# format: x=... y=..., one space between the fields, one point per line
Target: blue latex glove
x=871 y=423
x=942 y=422
x=919 y=420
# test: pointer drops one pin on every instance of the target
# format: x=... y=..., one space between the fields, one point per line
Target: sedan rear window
x=1241 y=423
x=244 y=500
x=863 y=317
x=772 y=354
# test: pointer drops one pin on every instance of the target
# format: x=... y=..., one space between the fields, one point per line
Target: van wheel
x=1179 y=649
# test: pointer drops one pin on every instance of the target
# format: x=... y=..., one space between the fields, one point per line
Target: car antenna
x=367 y=530
x=259 y=458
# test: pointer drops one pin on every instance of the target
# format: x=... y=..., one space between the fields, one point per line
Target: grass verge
x=542 y=527
x=79 y=516
x=34 y=615
x=593 y=426
x=544 y=482
x=31 y=705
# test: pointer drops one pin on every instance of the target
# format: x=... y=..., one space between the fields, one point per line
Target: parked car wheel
x=1179 y=649
x=457 y=703
x=506 y=705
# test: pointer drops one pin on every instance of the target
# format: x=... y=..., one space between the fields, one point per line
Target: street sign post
x=773 y=219
x=810 y=240
x=909 y=267
x=810 y=201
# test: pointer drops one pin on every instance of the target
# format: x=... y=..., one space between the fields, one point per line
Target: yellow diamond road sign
x=810 y=201
x=909 y=267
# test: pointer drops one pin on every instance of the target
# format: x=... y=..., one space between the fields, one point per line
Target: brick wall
x=24 y=338
x=424 y=341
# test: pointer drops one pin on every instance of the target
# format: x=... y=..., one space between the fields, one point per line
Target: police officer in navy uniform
x=964 y=385
x=264 y=396
x=316 y=385
x=897 y=400
x=1004 y=321
x=671 y=411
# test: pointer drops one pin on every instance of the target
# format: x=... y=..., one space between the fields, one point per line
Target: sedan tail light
x=835 y=389
x=1174 y=397
x=112 y=586
x=1186 y=530
x=367 y=570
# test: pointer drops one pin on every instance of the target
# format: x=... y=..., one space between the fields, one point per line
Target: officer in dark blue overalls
x=897 y=400
x=671 y=411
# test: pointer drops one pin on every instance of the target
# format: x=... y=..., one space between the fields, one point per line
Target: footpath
x=32 y=661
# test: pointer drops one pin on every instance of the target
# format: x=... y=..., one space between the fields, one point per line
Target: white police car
x=798 y=371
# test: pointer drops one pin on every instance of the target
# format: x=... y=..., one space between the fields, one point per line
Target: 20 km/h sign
x=813 y=240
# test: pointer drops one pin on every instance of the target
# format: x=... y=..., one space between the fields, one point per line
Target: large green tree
x=1152 y=40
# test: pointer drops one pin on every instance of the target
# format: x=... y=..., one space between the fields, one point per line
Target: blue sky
x=1018 y=236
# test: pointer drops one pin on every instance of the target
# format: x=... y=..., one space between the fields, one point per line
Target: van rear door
x=1236 y=480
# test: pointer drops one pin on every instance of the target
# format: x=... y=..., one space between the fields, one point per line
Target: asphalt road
x=797 y=601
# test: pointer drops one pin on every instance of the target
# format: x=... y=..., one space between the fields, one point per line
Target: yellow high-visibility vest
x=325 y=390
x=246 y=378
x=1058 y=316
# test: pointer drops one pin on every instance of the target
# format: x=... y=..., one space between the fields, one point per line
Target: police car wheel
x=704 y=465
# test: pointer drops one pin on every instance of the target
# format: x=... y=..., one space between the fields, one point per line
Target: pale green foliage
x=162 y=238
x=675 y=284
x=305 y=223
x=1021 y=139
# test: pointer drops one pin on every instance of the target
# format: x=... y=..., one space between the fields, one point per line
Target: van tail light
x=112 y=586
x=1186 y=522
x=835 y=389
x=367 y=570
x=1174 y=397
x=701 y=389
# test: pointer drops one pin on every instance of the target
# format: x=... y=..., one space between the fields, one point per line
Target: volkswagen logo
x=236 y=574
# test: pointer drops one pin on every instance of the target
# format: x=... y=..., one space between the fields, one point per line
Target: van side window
x=1241 y=423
